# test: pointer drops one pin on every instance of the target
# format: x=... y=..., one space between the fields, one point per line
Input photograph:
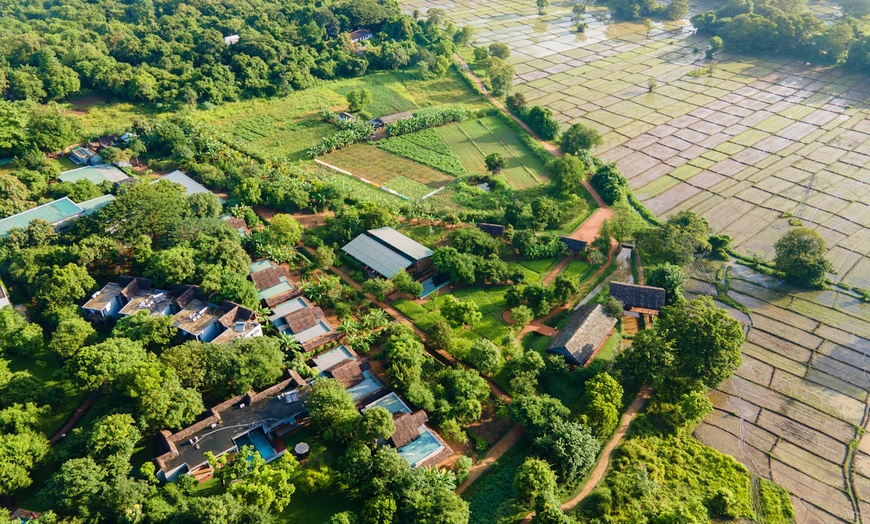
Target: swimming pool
x=391 y=403
x=422 y=448
x=365 y=388
x=258 y=440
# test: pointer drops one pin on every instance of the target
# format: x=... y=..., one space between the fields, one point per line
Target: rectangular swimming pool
x=422 y=448
x=258 y=440
x=391 y=403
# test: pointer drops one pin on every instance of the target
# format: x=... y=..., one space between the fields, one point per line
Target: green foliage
x=534 y=477
x=426 y=147
x=580 y=138
x=542 y=122
x=485 y=356
x=678 y=241
x=359 y=99
x=670 y=277
x=604 y=400
x=332 y=410
x=427 y=119
x=567 y=173
x=494 y=163
x=775 y=503
x=570 y=447
x=800 y=254
x=154 y=332
x=459 y=312
x=610 y=184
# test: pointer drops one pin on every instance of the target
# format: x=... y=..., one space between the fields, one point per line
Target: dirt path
x=74 y=419
x=601 y=467
x=497 y=450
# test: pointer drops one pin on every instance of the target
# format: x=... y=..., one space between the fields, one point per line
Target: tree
x=501 y=76
x=567 y=173
x=800 y=254
x=459 y=312
x=533 y=478
x=324 y=257
x=542 y=122
x=682 y=237
x=268 y=487
x=13 y=125
x=485 y=356
x=113 y=439
x=570 y=447
x=705 y=339
x=521 y=315
x=152 y=331
x=376 y=424
x=474 y=241
x=542 y=6
x=460 y=267
x=75 y=487
x=564 y=288
x=332 y=410
x=499 y=50
x=580 y=138
x=670 y=277
x=224 y=284
x=378 y=287
x=160 y=400
x=50 y=130
x=359 y=99
x=494 y=163
x=102 y=364
x=404 y=283
x=604 y=398
x=172 y=266
x=648 y=26
x=715 y=45
x=71 y=334
x=284 y=230
x=17 y=336
x=205 y=205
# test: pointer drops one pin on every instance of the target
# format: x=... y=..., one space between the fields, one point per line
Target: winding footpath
x=604 y=462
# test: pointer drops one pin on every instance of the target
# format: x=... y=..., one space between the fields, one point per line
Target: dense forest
x=785 y=27
x=168 y=51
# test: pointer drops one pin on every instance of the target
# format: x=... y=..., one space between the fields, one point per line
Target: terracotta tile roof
x=407 y=427
x=348 y=372
x=304 y=318
x=269 y=277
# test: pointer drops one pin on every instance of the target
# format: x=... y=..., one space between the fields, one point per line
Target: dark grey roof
x=633 y=295
x=573 y=243
x=389 y=119
x=377 y=256
x=230 y=421
x=400 y=243
x=586 y=330
x=495 y=230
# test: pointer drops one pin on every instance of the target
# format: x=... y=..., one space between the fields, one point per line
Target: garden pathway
x=73 y=419
x=497 y=450
x=601 y=467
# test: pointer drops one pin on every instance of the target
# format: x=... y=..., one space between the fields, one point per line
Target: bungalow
x=191 y=186
x=383 y=121
x=384 y=252
x=646 y=300
x=59 y=213
x=360 y=35
x=346 y=117
x=84 y=156
x=115 y=297
x=414 y=441
x=344 y=365
x=584 y=334
x=193 y=315
x=273 y=281
x=238 y=224
x=251 y=419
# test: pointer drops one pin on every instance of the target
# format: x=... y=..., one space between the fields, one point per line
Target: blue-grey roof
x=53 y=212
x=191 y=186
x=95 y=174
x=377 y=256
x=94 y=204
x=401 y=243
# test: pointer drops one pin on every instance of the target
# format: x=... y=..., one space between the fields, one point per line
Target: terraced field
x=755 y=140
x=796 y=410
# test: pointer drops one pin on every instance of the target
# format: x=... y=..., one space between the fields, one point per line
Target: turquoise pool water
x=422 y=448
x=391 y=403
x=257 y=439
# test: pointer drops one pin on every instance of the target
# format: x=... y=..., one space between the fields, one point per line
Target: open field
x=796 y=410
x=474 y=139
x=759 y=138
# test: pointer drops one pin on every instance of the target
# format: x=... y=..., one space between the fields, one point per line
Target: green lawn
x=316 y=508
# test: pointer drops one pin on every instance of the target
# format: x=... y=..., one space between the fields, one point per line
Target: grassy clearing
x=382 y=167
x=426 y=147
x=474 y=139
x=101 y=116
x=358 y=189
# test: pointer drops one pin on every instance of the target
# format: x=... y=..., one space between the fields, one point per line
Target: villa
x=251 y=419
x=195 y=317
x=344 y=365
x=414 y=441
x=584 y=334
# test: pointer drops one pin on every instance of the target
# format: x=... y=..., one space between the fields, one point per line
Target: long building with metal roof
x=384 y=252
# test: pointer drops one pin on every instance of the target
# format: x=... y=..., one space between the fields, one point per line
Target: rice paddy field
x=796 y=410
x=751 y=144
x=742 y=144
